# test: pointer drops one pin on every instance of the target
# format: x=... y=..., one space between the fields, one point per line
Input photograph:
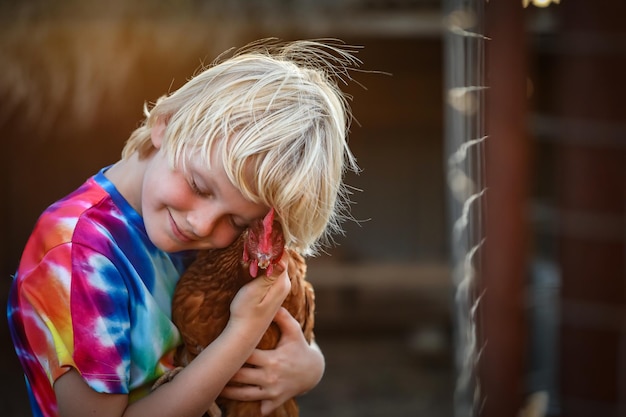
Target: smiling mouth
x=177 y=232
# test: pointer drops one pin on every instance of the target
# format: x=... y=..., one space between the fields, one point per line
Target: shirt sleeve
x=99 y=302
x=44 y=310
x=75 y=309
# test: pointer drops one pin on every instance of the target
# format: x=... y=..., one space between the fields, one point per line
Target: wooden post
x=502 y=326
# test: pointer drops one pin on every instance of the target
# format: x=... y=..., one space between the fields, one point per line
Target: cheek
x=224 y=236
x=176 y=196
x=166 y=189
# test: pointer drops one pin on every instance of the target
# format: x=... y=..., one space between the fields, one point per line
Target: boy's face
x=196 y=209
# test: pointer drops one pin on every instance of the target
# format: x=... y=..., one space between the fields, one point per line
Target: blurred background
x=486 y=276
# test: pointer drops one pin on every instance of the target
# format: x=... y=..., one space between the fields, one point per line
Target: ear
x=158 y=130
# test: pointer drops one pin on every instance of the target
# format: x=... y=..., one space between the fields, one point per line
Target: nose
x=203 y=222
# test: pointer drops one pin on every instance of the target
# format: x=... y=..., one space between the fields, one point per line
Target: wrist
x=243 y=332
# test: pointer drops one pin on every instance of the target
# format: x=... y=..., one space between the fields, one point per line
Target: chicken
x=202 y=298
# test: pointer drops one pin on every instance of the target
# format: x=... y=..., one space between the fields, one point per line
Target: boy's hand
x=290 y=369
x=257 y=302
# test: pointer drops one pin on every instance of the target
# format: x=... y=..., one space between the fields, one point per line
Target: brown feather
x=201 y=310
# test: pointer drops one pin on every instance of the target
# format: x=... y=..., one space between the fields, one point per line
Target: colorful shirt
x=93 y=293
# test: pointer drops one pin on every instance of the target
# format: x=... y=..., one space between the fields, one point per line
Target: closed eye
x=238 y=225
x=196 y=190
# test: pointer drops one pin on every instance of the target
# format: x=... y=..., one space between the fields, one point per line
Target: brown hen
x=201 y=303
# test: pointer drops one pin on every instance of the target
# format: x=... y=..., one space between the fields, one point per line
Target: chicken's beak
x=263 y=260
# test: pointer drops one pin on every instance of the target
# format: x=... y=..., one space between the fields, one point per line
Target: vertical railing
x=465 y=137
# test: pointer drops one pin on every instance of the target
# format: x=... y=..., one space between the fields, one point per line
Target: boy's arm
x=189 y=394
x=197 y=386
x=76 y=398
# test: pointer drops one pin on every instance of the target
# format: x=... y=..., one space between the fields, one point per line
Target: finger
x=249 y=375
x=259 y=358
x=274 y=287
x=278 y=286
x=288 y=325
x=279 y=267
x=243 y=393
x=267 y=406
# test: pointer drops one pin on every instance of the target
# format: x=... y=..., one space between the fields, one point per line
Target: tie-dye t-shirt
x=93 y=293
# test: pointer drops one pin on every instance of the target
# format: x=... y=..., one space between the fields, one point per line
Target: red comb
x=269 y=219
x=268 y=222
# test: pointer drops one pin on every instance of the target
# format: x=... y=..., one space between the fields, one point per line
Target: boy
x=89 y=308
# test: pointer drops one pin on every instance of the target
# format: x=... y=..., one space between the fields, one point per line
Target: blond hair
x=280 y=123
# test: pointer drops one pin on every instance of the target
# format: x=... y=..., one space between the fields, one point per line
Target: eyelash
x=197 y=191
x=237 y=226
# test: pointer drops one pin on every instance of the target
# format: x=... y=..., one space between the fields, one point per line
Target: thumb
x=273 y=275
x=288 y=325
x=277 y=285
